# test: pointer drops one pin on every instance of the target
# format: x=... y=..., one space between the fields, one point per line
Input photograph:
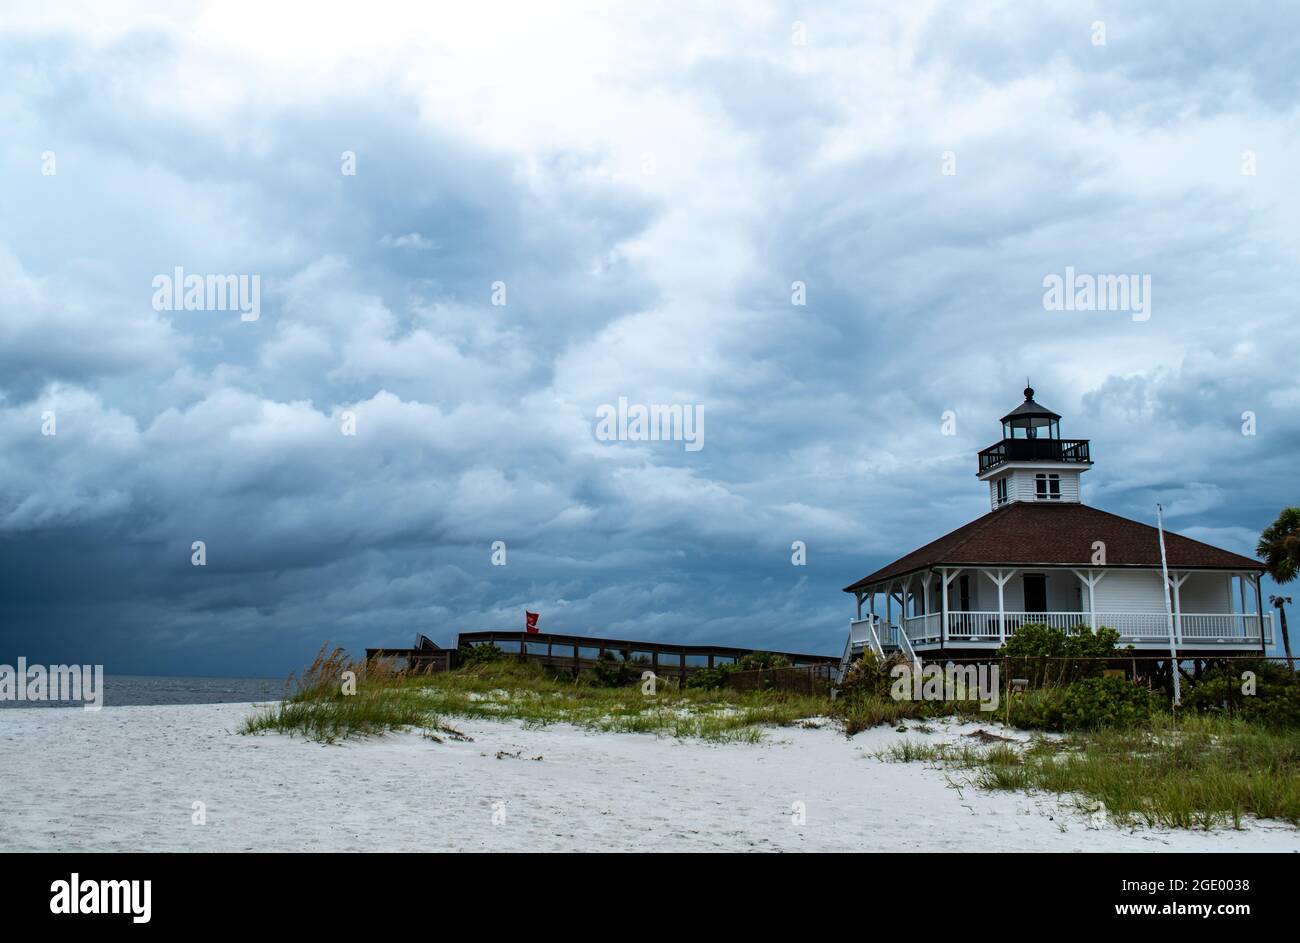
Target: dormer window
x=1047 y=487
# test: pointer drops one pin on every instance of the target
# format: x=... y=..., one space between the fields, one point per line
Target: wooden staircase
x=872 y=633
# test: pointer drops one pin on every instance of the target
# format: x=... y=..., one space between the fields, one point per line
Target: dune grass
x=1190 y=772
x=1186 y=772
x=385 y=700
x=866 y=711
x=316 y=707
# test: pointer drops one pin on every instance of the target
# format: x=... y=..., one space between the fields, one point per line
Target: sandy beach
x=127 y=779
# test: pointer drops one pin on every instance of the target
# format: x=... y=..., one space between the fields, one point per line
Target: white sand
x=125 y=779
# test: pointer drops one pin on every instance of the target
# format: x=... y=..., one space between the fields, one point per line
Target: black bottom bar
x=1018 y=894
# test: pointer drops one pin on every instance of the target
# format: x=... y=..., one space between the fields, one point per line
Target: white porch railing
x=976 y=626
x=862 y=634
x=1055 y=620
x=1225 y=625
x=924 y=628
x=905 y=646
x=1136 y=626
x=986 y=626
x=873 y=633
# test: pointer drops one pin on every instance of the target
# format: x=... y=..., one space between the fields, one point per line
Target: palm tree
x=1279 y=548
x=1277 y=602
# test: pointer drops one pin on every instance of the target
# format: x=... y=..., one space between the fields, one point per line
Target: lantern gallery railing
x=1136 y=628
x=1034 y=450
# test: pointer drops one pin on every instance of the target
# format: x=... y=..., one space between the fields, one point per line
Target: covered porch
x=980 y=607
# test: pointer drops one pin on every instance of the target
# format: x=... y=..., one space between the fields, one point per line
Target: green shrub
x=865 y=697
x=613 y=671
x=1275 y=703
x=1045 y=655
x=708 y=679
x=483 y=653
x=1097 y=703
x=1087 y=704
x=756 y=661
x=870 y=676
x=1279 y=709
x=1038 y=709
x=716 y=677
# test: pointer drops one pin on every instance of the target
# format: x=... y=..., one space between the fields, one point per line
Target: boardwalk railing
x=577 y=652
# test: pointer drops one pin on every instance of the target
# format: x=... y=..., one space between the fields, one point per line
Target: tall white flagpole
x=1169 y=607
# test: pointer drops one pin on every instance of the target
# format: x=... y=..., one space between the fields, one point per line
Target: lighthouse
x=1042 y=556
x=1032 y=462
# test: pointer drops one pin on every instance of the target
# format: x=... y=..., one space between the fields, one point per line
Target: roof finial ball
x=1029 y=390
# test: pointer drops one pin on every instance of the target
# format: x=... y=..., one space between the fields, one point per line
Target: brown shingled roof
x=1033 y=534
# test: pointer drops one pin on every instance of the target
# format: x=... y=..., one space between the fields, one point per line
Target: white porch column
x=904 y=586
x=1090 y=579
x=1245 y=624
x=925 y=600
x=1176 y=581
x=1092 y=603
x=1259 y=610
x=1002 y=610
x=948 y=577
x=1001 y=579
x=889 y=605
x=858 y=597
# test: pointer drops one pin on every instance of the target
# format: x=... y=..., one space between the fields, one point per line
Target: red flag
x=530 y=621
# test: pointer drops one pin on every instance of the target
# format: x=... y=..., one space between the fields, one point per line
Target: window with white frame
x=1002 y=491
x=1047 y=487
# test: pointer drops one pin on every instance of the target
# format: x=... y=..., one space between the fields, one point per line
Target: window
x=1002 y=491
x=1047 y=487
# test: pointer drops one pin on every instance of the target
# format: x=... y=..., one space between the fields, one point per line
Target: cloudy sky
x=647 y=181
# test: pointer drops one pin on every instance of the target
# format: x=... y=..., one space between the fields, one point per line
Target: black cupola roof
x=1030 y=410
x=1032 y=433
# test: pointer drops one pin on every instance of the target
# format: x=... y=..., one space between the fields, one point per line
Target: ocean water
x=124 y=690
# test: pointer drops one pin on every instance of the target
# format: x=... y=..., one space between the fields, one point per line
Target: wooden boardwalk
x=577 y=652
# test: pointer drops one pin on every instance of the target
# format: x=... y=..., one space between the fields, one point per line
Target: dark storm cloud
x=648 y=217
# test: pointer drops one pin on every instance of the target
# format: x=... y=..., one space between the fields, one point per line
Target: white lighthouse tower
x=1033 y=462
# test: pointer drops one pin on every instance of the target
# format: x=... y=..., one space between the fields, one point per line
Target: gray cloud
x=474 y=422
